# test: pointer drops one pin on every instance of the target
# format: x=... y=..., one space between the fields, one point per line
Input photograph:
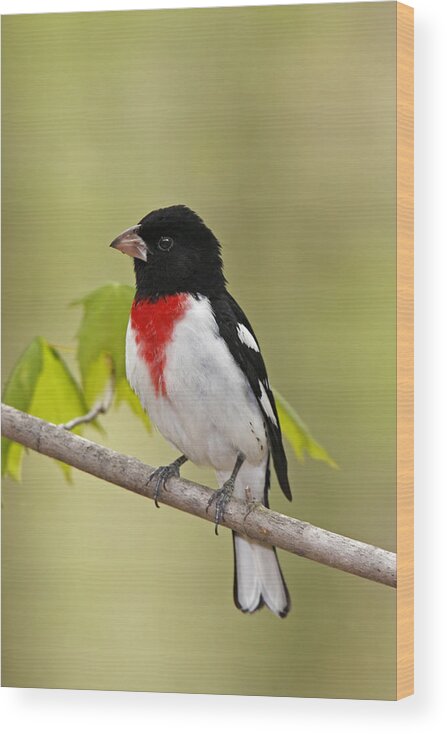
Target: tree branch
x=256 y=522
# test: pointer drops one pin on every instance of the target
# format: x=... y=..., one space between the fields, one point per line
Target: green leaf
x=102 y=336
x=102 y=343
x=40 y=384
x=299 y=435
x=18 y=392
x=125 y=393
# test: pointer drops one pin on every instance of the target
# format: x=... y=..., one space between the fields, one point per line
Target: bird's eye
x=165 y=243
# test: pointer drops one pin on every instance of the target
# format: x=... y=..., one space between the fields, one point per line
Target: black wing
x=230 y=318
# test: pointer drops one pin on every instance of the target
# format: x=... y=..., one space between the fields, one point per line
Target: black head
x=174 y=252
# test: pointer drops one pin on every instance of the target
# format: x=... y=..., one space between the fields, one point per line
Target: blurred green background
x=277 y=124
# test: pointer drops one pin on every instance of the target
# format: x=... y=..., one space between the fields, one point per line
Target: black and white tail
x=258 y=579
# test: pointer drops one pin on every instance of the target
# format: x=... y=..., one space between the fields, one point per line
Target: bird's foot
x=161 y=475
x=222 y=497
x=224 y=494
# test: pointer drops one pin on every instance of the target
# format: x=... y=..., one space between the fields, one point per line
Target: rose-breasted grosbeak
x=194 y=362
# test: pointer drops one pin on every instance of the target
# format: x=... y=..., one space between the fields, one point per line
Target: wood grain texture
x=405 y=543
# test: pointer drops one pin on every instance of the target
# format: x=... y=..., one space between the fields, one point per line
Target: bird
x=194 y=362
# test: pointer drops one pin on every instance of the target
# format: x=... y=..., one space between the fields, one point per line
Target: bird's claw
x=222 y=498
x=161 y=476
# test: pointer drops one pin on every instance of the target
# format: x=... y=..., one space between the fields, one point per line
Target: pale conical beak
x=130 y=243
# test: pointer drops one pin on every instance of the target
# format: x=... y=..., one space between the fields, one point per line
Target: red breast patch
x=153 y=324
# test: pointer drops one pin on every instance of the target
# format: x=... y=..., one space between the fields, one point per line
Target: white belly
x=209 y=411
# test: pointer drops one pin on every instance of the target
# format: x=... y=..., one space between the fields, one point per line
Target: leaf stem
x=99 y=408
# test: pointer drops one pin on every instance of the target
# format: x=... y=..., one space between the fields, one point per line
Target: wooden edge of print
x=404 y=276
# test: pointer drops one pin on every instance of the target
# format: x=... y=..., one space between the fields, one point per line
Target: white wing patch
x=266 y=404
x=247 y=338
